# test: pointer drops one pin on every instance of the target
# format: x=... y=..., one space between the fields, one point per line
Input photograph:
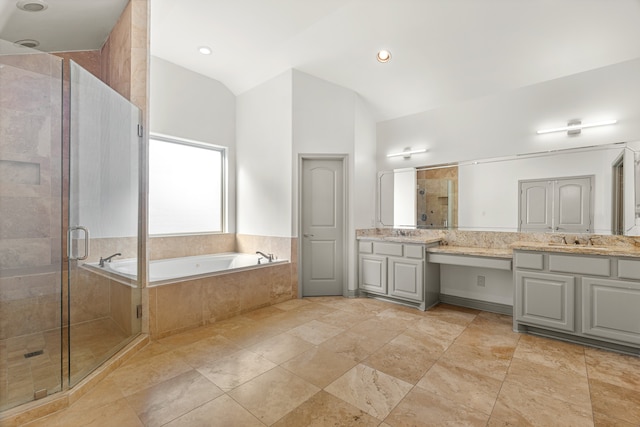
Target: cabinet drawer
x=590 y=266
x=383 y=248
x=471 y=261
x=629 y=269
x=365 y=247
x=414 y=251
x=530 y=261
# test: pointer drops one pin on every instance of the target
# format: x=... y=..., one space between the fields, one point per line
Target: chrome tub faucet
x=107 y=259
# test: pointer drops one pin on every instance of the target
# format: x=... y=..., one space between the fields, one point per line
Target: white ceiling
x=65 y=25
x=444 y=51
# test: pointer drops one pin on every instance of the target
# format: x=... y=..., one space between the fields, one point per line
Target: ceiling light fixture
x=574 y=127
x=27 y=43
x=205 y=50
x=32 y=5
x=383 y=56
x=407 y=153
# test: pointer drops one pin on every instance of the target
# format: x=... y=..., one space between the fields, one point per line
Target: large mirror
x=583 y=190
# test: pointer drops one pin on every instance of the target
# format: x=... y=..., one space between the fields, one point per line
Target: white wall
x=506 y=123
x=463 y=282
x=329 y=119
x=264 y=152
x=188 y=105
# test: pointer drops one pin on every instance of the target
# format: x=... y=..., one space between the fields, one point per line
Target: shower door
x=103 y=222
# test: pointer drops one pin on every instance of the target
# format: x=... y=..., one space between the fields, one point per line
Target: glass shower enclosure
x=103 y=222
x=69 y=176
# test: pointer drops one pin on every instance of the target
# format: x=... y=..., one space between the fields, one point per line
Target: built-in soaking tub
x=189 y=292
x=164 y=271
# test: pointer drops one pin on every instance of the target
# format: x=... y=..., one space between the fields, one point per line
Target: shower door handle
x=86 y=243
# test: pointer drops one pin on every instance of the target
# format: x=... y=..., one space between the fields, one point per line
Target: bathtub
x=173 y=270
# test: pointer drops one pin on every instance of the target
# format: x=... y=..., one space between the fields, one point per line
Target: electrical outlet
x=481 y=281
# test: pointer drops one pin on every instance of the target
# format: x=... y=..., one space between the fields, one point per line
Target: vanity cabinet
x=594 y=297
x=397 y=272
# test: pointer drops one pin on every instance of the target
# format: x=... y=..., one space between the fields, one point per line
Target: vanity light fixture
x=383 y=56
x=574 y=127
x=407 y=153
x=205 y=50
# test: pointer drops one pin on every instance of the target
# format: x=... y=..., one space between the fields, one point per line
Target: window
x=186 y=182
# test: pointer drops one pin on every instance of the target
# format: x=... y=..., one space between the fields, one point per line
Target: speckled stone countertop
x=622 y=251
x=403 y=239
x=471 y=251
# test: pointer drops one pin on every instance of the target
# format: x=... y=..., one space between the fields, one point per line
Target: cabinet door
x=372 y=273
x=536 y=206
x=572 y=201
x=545 y=299
x=406 y=278
x=611 y=309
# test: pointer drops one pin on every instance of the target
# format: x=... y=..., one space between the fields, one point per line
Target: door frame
x=343 y=158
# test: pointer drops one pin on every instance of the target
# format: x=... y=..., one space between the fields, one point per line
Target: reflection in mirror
x=486 y=195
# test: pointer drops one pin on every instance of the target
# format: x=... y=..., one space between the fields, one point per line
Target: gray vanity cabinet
x=397 y=272
x=591 y=297
x=545 y=299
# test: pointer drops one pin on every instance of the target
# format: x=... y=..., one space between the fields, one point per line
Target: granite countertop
x=471 y=251
x=624 y=251
x=402 y=239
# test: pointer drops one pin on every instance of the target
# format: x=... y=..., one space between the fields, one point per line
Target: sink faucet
x=269 y=257
x=107 y=259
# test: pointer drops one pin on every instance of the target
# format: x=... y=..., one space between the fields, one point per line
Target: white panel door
x=322 y=220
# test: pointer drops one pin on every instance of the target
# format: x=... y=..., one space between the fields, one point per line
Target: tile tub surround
x=162 y=247
x=447 y=366
x=176 y=307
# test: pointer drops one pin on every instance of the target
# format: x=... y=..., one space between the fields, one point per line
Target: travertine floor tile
x=437 y=328
x=236 y=369
x=315 y=332
x=220 y=412
x=469 y=388
x=354 y=346
x=345 y=319
x=493 y=361
x=319 y=366
x=170 y=399
x=563 y=385
x=281 y=348
x=323 y=409
x=552 y=353
x=206 y=351
x=403 y=357
x=118 y=413
x=518 y=406
x=148 y=372
x=449 y=313
x=370 y=390
x=273 y=394
x=381 y=329
x=422 y=408
x=615 y=402
x=600 y=420
x=613 y=368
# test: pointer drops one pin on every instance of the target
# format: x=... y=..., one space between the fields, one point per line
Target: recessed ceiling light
x=27 y=43
x=383 y=56
x=31 y=5
x=205 y=50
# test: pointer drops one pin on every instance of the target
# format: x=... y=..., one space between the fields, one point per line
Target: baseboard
x=492 y=307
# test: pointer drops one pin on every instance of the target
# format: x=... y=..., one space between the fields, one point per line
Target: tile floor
x=362 y=362
x=91 y=343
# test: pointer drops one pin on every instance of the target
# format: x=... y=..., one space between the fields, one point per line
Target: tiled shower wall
x=30 y=194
